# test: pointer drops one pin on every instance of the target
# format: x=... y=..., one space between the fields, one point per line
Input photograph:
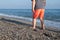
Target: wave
x=46 y=22
x=20 y=17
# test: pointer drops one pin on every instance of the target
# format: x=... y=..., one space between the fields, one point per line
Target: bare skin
x=34 y=19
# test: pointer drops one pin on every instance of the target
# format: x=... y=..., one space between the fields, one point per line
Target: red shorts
x=38 y=13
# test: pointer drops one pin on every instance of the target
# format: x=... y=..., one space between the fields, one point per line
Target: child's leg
x=35 y=16
x=42 y=18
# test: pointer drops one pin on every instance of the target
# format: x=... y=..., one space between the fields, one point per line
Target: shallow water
x=52 y=16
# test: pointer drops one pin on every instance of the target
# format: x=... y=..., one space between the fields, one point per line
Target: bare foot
x=34 y=27
x=43 y=27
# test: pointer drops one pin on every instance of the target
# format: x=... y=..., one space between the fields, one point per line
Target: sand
x=18 y=29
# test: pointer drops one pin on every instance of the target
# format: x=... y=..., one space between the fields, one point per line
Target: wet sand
x=18 y=29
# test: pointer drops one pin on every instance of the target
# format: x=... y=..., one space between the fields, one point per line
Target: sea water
x=51 y=17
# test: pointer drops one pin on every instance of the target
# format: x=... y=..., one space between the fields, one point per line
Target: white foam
x=25 y=18
x=46 y=22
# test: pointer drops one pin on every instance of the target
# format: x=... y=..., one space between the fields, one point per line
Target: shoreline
x=29 y=22
x=18 y=29
x=50 y=23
